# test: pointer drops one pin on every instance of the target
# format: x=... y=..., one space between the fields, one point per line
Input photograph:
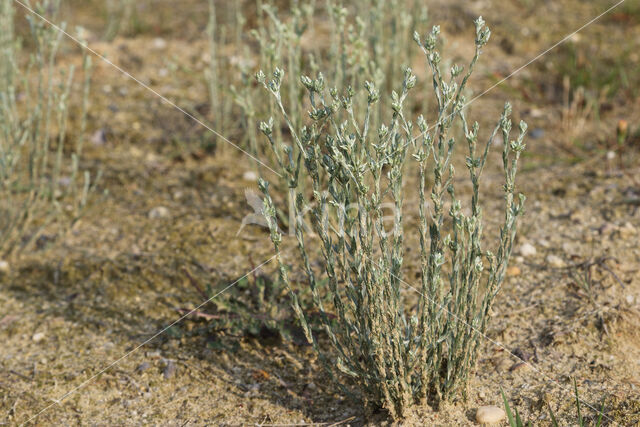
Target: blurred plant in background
x=353 y=156
x=40 y=177
x=374 y=42
x=121 y=18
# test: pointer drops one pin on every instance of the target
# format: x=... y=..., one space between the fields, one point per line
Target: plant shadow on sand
x=131 y=298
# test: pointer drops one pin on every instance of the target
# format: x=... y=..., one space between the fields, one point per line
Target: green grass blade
x=554 y=422
x=599 y=422
x=512 y=421
x=518 y=419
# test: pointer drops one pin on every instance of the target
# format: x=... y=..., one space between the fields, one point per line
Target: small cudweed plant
x=39 y=183
x=395 y=352
x=366 y=38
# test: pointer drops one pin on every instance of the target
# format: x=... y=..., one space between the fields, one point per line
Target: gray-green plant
x=393 y=349
x=121 y=17
x=211 y=74
x=367 y=39
x=40 y=180
x=225 y=26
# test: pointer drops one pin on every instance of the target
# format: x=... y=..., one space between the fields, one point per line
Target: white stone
x=250 y=176
x=4 y=267
x=38 y=337
x=99 y=137
x=555 y=261
x=527 y=249
x=490 y=415
x=159 y=43
x=536 y=113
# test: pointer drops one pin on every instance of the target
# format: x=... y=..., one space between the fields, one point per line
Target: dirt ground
x=165 y=223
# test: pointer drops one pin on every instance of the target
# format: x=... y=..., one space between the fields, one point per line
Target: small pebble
x=490 y=415
x=514 y=270
x=143 y=367
x=250 y=176
x=611 y=155
x=99 y=137
x=527 y=249
x=537 y=133
x=159 y=43
x=536 y=113
x=4 y=267
x=159 y=212
x=169 y=370
x=555 y=261
x=38 y=337
x=568 y=248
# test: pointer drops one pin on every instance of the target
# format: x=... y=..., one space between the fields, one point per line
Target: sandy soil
x=89 y=299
